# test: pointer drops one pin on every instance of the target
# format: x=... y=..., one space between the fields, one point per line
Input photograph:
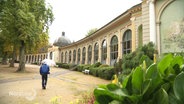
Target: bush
x=132 y=60
x=97 y=64
x=94 y=71
x=160 y=83
x=59 y=64
x=126 y=71
x=86 y=66
x=73 y=67
x=63 y=65
x=104 y=65
x=105 y=72
x=122 y=77
x=66 y=66
x=80 y=67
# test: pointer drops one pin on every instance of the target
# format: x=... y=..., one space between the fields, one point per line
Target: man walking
x=44 y=70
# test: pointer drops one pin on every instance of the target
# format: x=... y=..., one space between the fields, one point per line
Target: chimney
x=63 y=33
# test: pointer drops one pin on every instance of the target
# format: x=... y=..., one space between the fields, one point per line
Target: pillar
x=86 y=61
x=119 y=45
x=108 y=50
x=152 y=23
x=92 y=56
x=100 y=51
x=133 y=34
x=158 y=38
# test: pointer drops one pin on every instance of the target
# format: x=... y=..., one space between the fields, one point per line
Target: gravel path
x=25 y=88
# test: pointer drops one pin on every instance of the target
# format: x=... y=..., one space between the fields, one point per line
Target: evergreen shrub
x=104 y=65
x=105 y=72
x=94 y=71
x=63 y=65
x=80 y=67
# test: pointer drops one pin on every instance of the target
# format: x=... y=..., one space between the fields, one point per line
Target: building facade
x=157 y=21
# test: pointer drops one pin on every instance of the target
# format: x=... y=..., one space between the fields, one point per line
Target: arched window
x=51 y=54
x=78 y=56
x=33 y=58
x=66 y=56
x=62 y=57
x=89 y=54
x=29 y=59
x=104 y=51
x=38 y=58
x=74 y=56
x=96 y=52
x=140 y=41
x=44 y=57
x=70 y=56
x=41 y=57
x=83 y=55
x=114 y=49
x=127 y=42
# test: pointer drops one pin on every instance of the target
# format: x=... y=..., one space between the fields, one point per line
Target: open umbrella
x=49 y=62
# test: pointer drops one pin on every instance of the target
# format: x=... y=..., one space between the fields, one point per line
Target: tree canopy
x=91 y=31
x=25 y=24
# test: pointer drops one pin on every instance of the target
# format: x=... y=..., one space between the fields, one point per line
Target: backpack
x=44 y=69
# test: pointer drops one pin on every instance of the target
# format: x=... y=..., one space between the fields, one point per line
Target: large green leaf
x=176 y=63
x=146 y=87
x=125 y=81
x=173 y=99
x=115 y=102
x=102 y=96
x=151 y=72
x=177 y=60
x=127 y=84
x=179 y=87
x=110 y=93
x=164 y=64
x=161 y=97
x=135 y=98
x=156 y=80
x=137 y=80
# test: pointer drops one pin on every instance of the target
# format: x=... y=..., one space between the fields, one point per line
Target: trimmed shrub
x=59 y=64
x=80 y=67
x=94 y=71
x=63 y=65
x=86 y=66
x=105 y=72
x=104 y=65
x=73 y=67
x=97 y=64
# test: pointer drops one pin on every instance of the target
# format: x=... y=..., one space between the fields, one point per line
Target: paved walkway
x=25 y=88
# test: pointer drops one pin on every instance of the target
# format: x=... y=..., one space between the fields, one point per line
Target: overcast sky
x=76 y=17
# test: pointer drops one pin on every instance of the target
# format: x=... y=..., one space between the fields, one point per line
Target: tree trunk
x=22 y=58
x=5 y=59
x=13 y=57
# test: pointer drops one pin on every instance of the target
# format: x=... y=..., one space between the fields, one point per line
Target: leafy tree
x=91 y=31
x=24 y=22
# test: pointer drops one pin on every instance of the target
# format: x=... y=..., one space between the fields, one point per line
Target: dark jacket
x=44 y=69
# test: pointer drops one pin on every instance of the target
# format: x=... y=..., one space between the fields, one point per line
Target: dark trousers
x=44 y=80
